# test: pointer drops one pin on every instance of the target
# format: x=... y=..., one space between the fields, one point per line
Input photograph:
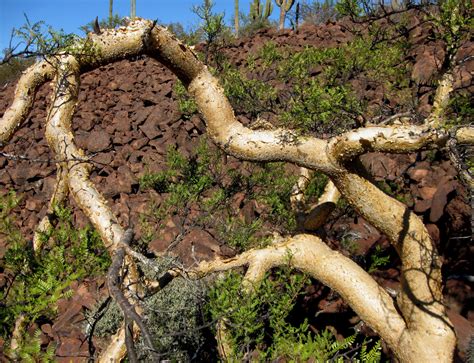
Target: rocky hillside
x=129 y=115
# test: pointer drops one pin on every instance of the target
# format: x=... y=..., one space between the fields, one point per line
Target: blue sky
x=69 y=15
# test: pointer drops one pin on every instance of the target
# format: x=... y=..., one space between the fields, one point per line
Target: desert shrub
x=215 y=32
x=175 y=317
x=262 y=329
x=31 y=351
x=190 y=36
x=315 y=12
x=246 y=95
x=201 y=180
x=460 y=110
x=454 y=19
x=39 y=280
x=241 y=235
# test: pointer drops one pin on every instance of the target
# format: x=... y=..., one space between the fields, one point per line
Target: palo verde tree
x=413 y=323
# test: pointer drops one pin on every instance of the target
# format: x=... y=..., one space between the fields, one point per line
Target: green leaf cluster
x=31 y=352
x=184 y=179
x=202 y=181
x=186 y=104
x=454 y=19
x=377 y=259
x=40 y=279
x=246 y=95
x=259 y=325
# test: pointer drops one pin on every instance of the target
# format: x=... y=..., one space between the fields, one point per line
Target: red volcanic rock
x=440 y=200
x=98 y=141
x=429 y=61
x=196 y=246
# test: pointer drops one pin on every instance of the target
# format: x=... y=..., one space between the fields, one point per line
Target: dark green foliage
x=31 y=352
x=187 y=105
x=8 y=203
x=273 y=186
x=352 y=8
x=259 y=316
x=240 y=235
x=184 y=180
x=259 y=325
x=461 y=110
x=454 y=20
x=201 y=181
x=247 y=95
x=270 y=54
x=319 y=95
x=40 y=280
x=377 y=259
x=316 y=186
x=315 y=108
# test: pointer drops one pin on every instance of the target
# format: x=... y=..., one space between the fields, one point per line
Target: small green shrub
x=247 y=95
x=377 y=259
x=316 y=186
x=460 y=110
x=259 y=316
x=270 y=54
x=454 y=19
x=202 y=181
x=240 y=235
x=174 y=316
x=316 y=108
x=259 y=328
x=41 y=279
x=30 y=351
x=184 y=180
x=187 y=105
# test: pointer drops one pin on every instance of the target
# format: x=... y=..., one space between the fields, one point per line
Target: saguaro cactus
x=257 y=11
x=111 y=12
x=285 y=6
x=133 y=9
x=236 y=17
